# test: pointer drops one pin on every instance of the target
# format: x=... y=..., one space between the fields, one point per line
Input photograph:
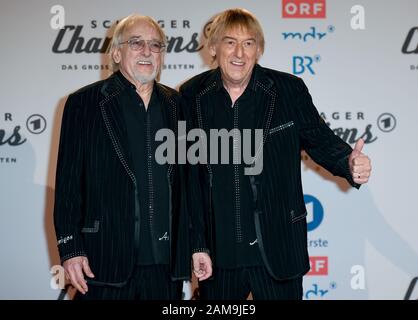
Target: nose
x=239 y=50
x=146 y=51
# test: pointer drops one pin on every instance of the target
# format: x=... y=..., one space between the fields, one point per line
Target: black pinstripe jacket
x=96 y=208
x=290 y=123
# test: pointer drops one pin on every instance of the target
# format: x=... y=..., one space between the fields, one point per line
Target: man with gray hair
x=120 y=217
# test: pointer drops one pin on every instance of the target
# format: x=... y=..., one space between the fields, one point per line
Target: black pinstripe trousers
x=147 y=283
x=236 y=284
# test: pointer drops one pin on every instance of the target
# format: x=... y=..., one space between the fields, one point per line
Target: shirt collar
x=125 y=82
x=251 y=84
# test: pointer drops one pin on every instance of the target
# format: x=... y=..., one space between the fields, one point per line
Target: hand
x=202 y=265
x=359 y=164
x=74 y=268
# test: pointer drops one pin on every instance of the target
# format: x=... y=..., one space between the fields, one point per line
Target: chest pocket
x=281 y=127
x=284 y=143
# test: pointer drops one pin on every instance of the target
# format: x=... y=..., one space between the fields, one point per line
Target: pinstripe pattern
x=236 y=284
x=146 y=283
x=95 y=201
x=291 y=123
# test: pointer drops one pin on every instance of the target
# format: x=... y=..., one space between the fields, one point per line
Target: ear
x=116 y=55
x=259 y=53
x=212 y=51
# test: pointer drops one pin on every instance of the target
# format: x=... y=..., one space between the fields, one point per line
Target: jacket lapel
x=169 y=111
x=266 y=98
x=112 y=115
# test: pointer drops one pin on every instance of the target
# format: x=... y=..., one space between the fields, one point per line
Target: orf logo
x=319 y=266
x=303 y=9
x=315 y=212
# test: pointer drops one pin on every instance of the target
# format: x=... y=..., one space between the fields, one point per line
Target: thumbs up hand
x=359 y=163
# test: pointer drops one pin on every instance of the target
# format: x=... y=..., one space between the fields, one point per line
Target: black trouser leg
x=147 y=283
x=236 y=284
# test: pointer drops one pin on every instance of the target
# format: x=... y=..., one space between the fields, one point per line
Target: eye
x=136 y=43
x=249 y=43
x=229 y=43
x=155 y=46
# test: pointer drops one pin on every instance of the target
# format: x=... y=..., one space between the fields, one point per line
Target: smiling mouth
x=144 y=63
x=237 y=63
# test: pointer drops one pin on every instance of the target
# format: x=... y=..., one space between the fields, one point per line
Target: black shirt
x=142 y=125
x=236 y=244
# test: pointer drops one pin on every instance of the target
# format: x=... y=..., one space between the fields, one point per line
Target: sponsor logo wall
x=359 y=61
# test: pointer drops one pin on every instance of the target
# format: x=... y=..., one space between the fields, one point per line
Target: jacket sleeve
x=194 y=186
x=318 y=140
x=69 y=182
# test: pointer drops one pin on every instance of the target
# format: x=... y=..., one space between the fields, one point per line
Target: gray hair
x=125 y=24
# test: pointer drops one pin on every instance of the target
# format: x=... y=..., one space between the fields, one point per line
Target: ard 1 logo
x=35 y=124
